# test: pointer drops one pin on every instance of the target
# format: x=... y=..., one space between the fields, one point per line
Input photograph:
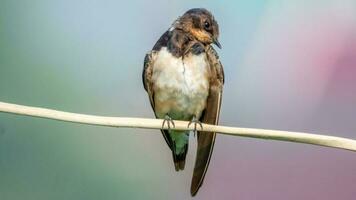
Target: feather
x=210 y=115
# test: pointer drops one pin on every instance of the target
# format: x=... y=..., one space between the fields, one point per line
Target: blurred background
x=289 y=65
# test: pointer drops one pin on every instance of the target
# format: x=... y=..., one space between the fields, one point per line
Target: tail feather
x=204 y=151
x=179 y=160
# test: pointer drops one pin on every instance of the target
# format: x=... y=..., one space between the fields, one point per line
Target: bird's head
x=201 y=25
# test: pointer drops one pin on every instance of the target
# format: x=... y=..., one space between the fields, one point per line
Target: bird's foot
x=167 y=119
x=195 y=121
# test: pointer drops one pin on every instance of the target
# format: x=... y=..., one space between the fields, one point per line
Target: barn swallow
x=184 y=80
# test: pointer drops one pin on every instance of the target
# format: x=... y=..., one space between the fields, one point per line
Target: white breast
x=180 y=84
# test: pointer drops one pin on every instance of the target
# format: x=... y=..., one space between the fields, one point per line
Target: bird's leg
x=195 y=121
x=169 y=121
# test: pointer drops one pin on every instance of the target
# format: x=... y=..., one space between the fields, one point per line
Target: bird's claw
x=169 y=121
x=195 y=121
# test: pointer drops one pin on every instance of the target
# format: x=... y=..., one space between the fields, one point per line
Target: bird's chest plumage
x=181 y=85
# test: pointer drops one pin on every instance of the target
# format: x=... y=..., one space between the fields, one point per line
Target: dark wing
x=148 y=85
x=210 y=116
x=147 y=75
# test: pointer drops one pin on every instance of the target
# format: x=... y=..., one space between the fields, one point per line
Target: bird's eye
x=206 y=25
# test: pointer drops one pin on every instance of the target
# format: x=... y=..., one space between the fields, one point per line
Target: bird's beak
x=217 y=43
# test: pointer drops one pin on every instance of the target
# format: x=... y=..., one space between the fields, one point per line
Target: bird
x=184 y=79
